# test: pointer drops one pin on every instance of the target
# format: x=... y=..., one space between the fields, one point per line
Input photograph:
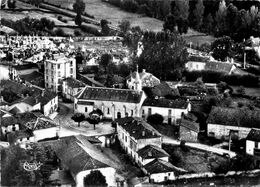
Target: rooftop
x=234 y=117
x=26 y=66
x=219 y=66
x=138 y=128
x=12 y=137
x=151 y=151
x=110 y=94
x=74 y=83
x=254 y=135
x=166 y=103
x=190 y=125
x=161 y=166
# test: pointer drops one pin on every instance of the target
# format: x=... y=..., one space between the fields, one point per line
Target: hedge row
x=216 y=77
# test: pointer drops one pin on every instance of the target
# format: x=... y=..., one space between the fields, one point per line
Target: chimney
x=150 y=153
x=1 y=99
x=143 y=133
x=42 y=93
x=144 y=70
x=153 y=133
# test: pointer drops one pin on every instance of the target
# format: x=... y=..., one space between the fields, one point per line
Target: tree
x=231 y=19
x=60 y=32
x=169 y=23
x=105 y=60
x=183 y=25
x=156 y=119
x=105 y=30
x=11 y=4
x=208 y=23
x=79 y=8
x=241 y=90
x=221 y=18
x=95 y=178
x=222 y=48
x=181 y=14
x=124 y=26
x=95 y=117
x=13 y=172
x=198 y=13
x=78 y=117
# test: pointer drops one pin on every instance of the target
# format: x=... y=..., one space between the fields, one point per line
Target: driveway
x=68 y=127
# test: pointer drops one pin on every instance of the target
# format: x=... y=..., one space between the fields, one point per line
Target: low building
x=34 y=78
x=171 y=110
x=253 y=143
x=223 y=122
x=189 y=130
x=71 y=86
x=78 y=156
x=161 y=170
x=114 y=103
x=135 y=134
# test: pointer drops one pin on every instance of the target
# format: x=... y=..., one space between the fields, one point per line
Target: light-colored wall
x=175 y=112
x=195 y=66
x=250 y=145
x=25 y=107
x=50 y=106
x=108 y=172
x=146 y=161
x=45 y=133
x=160 y=177
x=9 y=128
x=224 y=130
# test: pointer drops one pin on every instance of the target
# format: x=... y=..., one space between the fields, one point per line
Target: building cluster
x=43 y=68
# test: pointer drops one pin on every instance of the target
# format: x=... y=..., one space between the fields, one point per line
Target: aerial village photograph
x=130 y=93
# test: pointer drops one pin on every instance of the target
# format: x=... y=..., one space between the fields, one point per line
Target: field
x=197 y=38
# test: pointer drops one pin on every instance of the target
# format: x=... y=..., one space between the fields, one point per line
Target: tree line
x=213 y=17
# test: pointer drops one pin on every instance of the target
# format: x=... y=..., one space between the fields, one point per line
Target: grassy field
x=198 y=38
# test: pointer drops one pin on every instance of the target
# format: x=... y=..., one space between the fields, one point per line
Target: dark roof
x=73 y=156
x=110 y=94
x=26 y=66
x=234 y=117
x=85 y=103
x=30 y=101
x=3 y=112
x=164 y=89
x=74 y=83
x=151 y=151
x=90 y=81
x=190 y=125
x=197 y=58
x=219 y=66
x=46 y=97
x=254 y=135
x=161 y=166
x=93 y=140
x=12 y=137
x=167 y=103
x=138 y=128
x=35 y=78
x=15 y=110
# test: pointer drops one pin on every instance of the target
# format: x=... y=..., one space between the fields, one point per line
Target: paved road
x=69 y=127
x=204 y=147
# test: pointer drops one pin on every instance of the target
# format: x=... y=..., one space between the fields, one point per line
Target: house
x=45 y=101
x=160 y=170
x=57 y=68
x=223 y=122
x=171 y=110
x=4 y=113
x=225 y=67
x=114 y=103
x=253 y=143
x=78 y=156
x=25 y=69
x=136 y=80
x=71 y=86
x=134 y=134
x=189 y=130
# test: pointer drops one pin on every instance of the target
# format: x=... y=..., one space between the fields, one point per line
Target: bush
x=60 y=32
x=156 y=119
x=90 y=30
x=77 y=33
x=130 y=5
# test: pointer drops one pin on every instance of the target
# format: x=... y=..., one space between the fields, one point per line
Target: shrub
x=90 y=30
x=77 y=33
x=60 y=32
x=155 y=119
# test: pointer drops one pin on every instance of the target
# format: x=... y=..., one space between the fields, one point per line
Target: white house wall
x=250 y=145
x=160 y=177
x=108 y=172
x=45 y=133
x=50 y=106
x=224 y=130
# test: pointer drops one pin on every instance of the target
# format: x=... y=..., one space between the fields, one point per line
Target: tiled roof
x=234 y=117
x=46 y=97
x=15 y=110
x=151 y=151
x=90 y=81
x=166 y=103
x=21 y=118
x=219 y=66
x=164 y=89
x=26 y=66
x=254 y=135
x=74 y=83
x=30 y=101
x=197 y=58
x=190 y=125
x=161 y=166
x=30 y=77
x=73 y=156
x=138 y=128
x=110 y=94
